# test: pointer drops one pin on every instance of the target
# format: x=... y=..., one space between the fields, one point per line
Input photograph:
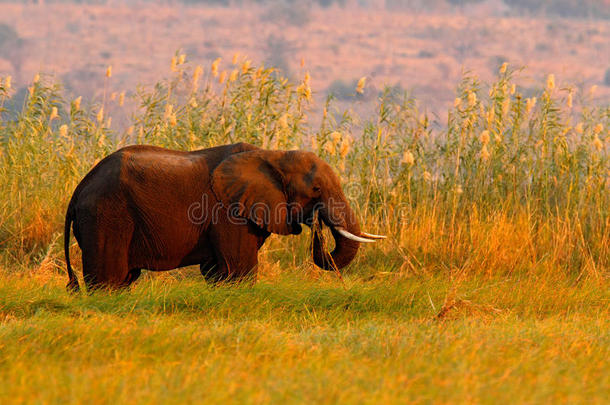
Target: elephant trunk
x=345 y=228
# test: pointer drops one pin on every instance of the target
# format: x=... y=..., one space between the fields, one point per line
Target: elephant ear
x=250 y=186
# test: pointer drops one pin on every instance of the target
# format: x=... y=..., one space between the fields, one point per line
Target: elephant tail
x=72 y=286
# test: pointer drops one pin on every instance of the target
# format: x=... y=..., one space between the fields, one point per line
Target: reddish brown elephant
x=145 y=207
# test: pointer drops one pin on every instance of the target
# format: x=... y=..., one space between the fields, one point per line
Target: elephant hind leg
x=105 y=256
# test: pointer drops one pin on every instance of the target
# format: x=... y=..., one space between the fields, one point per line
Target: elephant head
x=280 y=190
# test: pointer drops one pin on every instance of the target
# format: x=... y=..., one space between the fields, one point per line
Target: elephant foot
x=212 y=273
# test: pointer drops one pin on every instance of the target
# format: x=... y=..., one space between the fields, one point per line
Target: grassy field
x=491 y=288
x=397 y=340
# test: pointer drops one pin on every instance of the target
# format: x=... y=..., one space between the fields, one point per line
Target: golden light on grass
x=182 y=59
x=569 y=100
x=513 y=89
x=503 y=68
x=36 y=78
x=77 y=102
x=8 y=82
x=235 y=58
x=457 y=102
x=598 y=128
x=54 y=114
x=304 y=90
x=330 y=148
x=579 y=128
x=215 y=67
x=109 y=71
x=174 y=64
x=121 y=98
x=345 y=147
x=314 y=144
x=335 y=137
x=360 y=85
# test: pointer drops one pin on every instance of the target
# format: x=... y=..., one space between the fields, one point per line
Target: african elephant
x=145 y=207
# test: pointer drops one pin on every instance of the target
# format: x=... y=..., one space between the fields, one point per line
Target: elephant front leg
x=236 y=249
x=212 y=272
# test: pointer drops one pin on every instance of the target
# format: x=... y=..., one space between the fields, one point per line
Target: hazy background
x=420 y=46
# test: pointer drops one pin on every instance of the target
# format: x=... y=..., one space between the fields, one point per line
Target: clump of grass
x=507 y=184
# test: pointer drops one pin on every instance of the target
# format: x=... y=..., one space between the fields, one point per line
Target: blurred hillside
x=420 y=46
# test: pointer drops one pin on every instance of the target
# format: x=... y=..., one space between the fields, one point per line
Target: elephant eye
x=316 y=189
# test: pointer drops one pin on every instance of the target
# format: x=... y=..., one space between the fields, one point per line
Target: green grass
x=291 y=338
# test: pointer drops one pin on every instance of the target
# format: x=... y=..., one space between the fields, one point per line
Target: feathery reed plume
x=344 y=148
x=54 y=114
x=233 y=75
x=245 y=66
x=63 y=130
x=485 y=137
x=485 y=153
x=100 y=115
x=215 y=67
x=360 y=85
x=550 y=82
x=109 y=71
x=196 y=76
x=408 y=158
x=472 y=99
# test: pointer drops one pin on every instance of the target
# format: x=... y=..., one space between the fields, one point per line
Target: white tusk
x=372 y=236
x=353 y=237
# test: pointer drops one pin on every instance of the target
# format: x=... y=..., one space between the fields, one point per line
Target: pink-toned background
x=425 y=53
